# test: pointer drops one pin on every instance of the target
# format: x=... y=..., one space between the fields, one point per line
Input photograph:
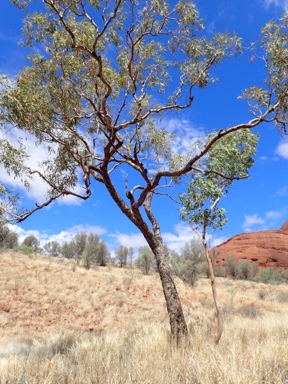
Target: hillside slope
x=41 y=296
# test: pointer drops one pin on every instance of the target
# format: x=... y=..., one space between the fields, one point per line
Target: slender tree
x=103 y=254
x=52 y=248
x=230 y=160
x=94 y=93
x=145 y=259
x=121 y=255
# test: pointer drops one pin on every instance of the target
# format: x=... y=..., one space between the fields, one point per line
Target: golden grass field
x=63 y=324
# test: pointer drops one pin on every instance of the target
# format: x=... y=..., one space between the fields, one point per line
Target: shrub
x=31 y=242
x=25 y=249
x=271 y=276
x=232 y=266
x=145 y=260
x=249 y=311
x=189 y=264
x=262 y=294
x=282 y=297
x=245 y=270
x=220 y=271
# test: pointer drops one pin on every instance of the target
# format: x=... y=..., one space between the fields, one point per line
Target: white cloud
x=185 y=134
x=251 y=221
x=174 y=240
x=134 y=240
x=71 y=232
x=282 y=148
x=22 y=233
x=217 y=240
x=66 y=235
x=182 y=234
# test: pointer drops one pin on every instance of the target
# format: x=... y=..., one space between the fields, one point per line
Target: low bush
x=282 y=297
x=271 y=276
x=249 y=311
x=262 y=294
x=26 y=250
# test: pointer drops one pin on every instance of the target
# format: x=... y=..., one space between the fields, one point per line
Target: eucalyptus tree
x=145 y=259
x=188 y=265
x=103 y=254
x=103 y=74
x=31 y=241
x=121 y=254
x=8 y=238
x=52 y=248
x=230 y=159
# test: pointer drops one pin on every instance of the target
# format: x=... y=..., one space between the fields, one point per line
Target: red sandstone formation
x=267 y=248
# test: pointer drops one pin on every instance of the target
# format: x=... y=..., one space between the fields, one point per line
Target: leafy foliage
x=52 y=248
x=227 y=161
x=121 y=255
x=188 y=265
x=145 y=260
x=275 y=45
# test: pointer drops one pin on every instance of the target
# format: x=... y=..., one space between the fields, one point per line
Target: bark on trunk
x=178 y=324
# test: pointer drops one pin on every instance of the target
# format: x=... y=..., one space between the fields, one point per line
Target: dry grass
x=107 y=325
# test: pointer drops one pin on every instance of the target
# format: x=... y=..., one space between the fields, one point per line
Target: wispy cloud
x=216 y=241
x=276 y=218
x=274 y=214
x=186 y=134
x=282 y=148
x=278 y=3
x=283 y=191
x=272 y=220
x=252 y=221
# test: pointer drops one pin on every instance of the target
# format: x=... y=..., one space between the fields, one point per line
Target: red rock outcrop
x=267 y=248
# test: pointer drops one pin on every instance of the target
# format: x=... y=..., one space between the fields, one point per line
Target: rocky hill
x=267 y=248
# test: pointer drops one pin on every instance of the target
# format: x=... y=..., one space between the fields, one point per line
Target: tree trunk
x=214 y=291
x=178 y=324
x=154 y=239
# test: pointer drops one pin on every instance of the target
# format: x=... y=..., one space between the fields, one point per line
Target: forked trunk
x=154 y=239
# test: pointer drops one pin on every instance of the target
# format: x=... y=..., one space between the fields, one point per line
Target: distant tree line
x=188 y=264
x=245 y=270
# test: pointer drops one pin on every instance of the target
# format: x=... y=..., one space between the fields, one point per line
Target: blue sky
x=257 y=203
